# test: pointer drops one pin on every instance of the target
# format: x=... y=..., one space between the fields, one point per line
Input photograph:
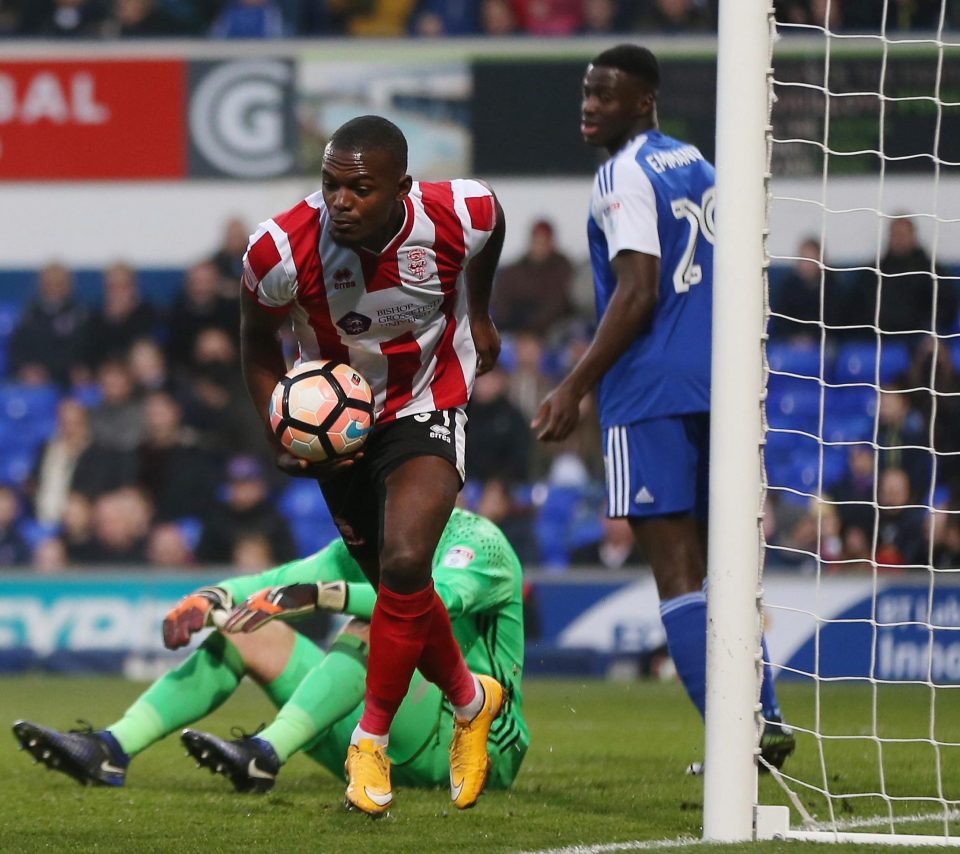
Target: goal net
x=859 y=566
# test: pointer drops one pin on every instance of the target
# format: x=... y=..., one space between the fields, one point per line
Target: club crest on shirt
x=343 y=279
x=354 y=323
x=459 y=557
x=417 y=262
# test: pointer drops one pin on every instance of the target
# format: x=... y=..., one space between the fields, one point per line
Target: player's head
x=364 y=178
x=619 y=96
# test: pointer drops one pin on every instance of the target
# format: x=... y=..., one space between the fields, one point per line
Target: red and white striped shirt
x=399 y=317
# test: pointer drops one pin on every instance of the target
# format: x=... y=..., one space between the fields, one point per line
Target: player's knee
x=264 y=653
x=404 y=568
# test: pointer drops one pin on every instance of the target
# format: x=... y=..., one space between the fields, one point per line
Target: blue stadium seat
x=12 y=435
x=840 y=426
x=9 y=316
x=28 y=416
x=471 y=492
x=302 y=505
x=780 y=444
x=311 y=536
x=87 y=395
x=16 y=465
x=26 y=401
x=794 y=359
x=850 y=400
x=834 y=465
x=857 y=362
x=797 y=473
x=794 y=460
x=302 y=499
x=35 y=532
x=568 y=517
x=793 y=403
x=190 y=528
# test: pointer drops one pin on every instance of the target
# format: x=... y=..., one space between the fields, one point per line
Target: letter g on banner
x=241 y=119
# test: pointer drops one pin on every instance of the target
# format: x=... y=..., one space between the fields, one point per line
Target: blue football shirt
x=656 y=196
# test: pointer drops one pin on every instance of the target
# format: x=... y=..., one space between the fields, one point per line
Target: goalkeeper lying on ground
x=319 y=695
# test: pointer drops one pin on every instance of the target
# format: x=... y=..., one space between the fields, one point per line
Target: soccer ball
x=321 y=410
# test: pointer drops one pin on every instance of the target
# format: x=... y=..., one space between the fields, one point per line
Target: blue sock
x=685 y=619
x=768 y=691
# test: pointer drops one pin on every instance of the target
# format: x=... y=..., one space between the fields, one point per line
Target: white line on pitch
x=880 y=820
x=686 y=841
x=633 y=845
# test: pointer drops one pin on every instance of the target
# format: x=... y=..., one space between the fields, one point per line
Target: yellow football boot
x=469 y=762
x=368 y=775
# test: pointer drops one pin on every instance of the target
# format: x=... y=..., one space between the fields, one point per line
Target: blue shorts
x=658 y=466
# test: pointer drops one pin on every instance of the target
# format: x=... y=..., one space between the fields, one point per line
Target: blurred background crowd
x=127 y=437
x=427 y=18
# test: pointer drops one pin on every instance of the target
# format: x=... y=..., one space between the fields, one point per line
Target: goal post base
x=773 y=822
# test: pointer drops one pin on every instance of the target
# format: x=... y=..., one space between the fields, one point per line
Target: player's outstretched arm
x=480 y=273
x=332 y=563
x=628 y=314
x=286 y=603
x=203 y=608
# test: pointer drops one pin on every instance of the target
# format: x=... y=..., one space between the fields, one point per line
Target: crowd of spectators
x=153 y=454
x=864 y=360
x=361 y=18
x=109 y=19
x=137 y=443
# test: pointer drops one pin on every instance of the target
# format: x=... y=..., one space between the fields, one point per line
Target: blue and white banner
x=910 y=633
x=111 y=622
x=103 y=622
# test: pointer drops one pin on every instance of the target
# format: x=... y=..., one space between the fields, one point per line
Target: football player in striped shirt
x=392 y=276
x=319 y=695
x=651 y=234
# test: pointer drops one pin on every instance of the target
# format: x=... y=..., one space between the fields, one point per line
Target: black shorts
x=356 y=497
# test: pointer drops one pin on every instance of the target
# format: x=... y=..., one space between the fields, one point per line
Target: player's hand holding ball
x=321 y=413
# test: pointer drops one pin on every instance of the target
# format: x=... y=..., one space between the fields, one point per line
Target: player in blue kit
x=651 y=233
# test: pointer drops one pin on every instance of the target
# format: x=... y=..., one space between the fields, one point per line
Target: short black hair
x=632 y=59
x=372 y=132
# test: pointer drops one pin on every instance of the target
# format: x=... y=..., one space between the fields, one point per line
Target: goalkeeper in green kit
x=319 y=694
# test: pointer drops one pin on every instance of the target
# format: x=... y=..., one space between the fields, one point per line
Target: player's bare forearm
x=480 y=273
x=627 y=315
x=482 y=269
x=261 y=355
x=623 y=321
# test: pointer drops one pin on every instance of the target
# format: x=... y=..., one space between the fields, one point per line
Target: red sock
x=398 y=630
x=442 y=661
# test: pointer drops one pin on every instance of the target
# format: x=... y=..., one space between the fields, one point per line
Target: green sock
x=185 y=694
x=329 y=691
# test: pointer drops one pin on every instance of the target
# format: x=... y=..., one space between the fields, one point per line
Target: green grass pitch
x=606 y=766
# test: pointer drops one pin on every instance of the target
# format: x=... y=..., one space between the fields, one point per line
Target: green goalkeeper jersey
x=478 y=577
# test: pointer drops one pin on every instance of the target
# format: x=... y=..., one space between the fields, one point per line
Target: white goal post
x=733 y=617
x=817 y=797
